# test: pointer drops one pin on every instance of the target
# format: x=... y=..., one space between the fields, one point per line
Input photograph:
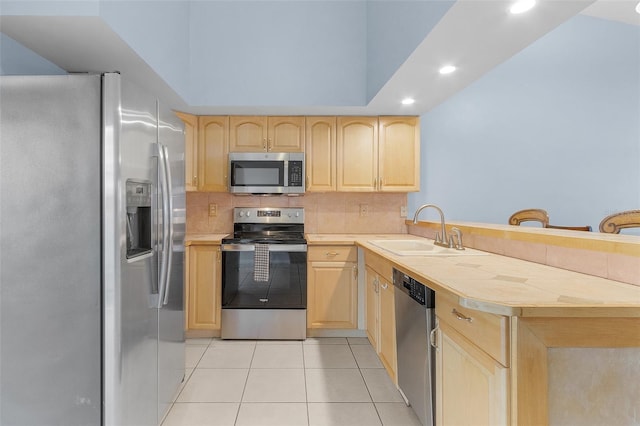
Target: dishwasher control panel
x=415 y=289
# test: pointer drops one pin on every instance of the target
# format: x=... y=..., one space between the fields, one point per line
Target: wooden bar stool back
x=529 y=215
x=613 y=223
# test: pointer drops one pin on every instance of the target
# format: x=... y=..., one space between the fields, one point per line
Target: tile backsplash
x=326 y=213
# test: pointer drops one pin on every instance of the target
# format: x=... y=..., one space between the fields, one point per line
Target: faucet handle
x=457 y=235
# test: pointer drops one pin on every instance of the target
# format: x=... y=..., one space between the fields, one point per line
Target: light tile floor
x=316 y=382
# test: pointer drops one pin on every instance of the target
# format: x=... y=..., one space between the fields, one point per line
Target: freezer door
x=171 y=349
x=50 y=328
x=131 y=290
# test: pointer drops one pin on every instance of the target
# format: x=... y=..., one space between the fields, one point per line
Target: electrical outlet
x=364 y=210
x=403 y=211
x=213 y=210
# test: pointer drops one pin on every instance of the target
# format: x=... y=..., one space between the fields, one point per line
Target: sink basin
x=421 y=248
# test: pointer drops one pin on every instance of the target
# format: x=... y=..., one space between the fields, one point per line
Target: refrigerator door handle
x=166 y=199
x=169 y=236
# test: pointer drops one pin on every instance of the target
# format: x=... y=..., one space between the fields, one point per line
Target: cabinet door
x=204 y=278
x=320 y=153
x=399 y=154
x=357 y=154
x=372 y=307
x=213 y=149
x=286 y=134
x=471 y=387
x=332 y=295
x=247 y=133
x=190 y=150
x=387 y=324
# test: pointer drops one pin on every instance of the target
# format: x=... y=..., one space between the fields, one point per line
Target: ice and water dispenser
x=138 y=218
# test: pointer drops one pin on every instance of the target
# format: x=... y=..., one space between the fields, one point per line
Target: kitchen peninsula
x=537 y=344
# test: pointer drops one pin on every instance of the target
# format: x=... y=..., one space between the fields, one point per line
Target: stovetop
x=267 y=225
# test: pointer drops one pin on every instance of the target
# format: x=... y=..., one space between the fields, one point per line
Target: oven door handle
x=272 y=247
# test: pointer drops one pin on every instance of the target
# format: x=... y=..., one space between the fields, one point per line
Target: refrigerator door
x=130 y=284
x=50 y=251
x=171 y=349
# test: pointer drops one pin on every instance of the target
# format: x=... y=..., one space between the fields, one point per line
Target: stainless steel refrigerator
x=91 y=252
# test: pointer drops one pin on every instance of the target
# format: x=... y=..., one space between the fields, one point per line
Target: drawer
x=332 y=253
x=379 y=264
x=489 y=332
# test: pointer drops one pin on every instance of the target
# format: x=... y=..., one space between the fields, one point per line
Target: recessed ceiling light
x=408 y=101
x=522 y=6
x=447 y=69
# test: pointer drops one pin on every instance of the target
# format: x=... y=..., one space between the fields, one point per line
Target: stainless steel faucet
x=442 y=239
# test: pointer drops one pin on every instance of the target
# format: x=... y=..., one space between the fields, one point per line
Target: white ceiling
x=475 y=35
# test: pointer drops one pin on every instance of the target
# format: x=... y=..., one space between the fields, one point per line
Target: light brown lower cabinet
x=203 y=278
x=332 y=287
x=380 y=310
x=472 y=387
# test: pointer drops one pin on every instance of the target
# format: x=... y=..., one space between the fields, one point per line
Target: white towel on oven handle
x=261 y=263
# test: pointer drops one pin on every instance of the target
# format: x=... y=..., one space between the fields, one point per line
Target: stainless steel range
x=264 y=275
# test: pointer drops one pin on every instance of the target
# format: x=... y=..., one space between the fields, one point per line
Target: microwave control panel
x=295 y=173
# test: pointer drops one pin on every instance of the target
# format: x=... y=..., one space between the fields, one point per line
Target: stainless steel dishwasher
x=415 y=318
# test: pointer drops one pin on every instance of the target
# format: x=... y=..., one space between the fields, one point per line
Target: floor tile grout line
x=246 y=380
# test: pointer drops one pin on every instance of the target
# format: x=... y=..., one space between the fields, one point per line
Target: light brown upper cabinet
x=190 y=150
x=378 y=154
x=213 y=149
x=320 y=154
x=357 y=154
x=268 y=134
x=399 y=154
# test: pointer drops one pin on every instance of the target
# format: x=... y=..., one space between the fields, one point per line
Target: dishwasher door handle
x=432 y=338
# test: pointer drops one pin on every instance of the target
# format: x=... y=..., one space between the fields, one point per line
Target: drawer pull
x=331 y=253
x=460 y=316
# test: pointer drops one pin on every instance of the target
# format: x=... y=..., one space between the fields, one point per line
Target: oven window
x=257 y=173
x=286 y=288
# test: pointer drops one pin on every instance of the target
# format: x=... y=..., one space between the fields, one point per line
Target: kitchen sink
x=421 y=248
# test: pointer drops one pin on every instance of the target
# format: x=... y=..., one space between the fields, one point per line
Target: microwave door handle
x=169 y=205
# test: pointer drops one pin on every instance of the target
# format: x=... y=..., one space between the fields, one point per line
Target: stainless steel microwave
x=266 y=173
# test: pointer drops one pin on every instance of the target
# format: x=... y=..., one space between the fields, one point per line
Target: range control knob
x=297 y=214
x=248 y=214
x=241 y=214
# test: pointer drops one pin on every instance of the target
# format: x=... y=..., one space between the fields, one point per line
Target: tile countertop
x=203 y=239
x=505 y=285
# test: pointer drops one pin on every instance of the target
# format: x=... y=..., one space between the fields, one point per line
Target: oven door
x=286 y=287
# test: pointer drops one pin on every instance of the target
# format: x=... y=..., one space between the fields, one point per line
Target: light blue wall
x=394 y=29
x=158 y=32
x=279 y=53
x=15 y=59
x=555 y=127
x=50 y=7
